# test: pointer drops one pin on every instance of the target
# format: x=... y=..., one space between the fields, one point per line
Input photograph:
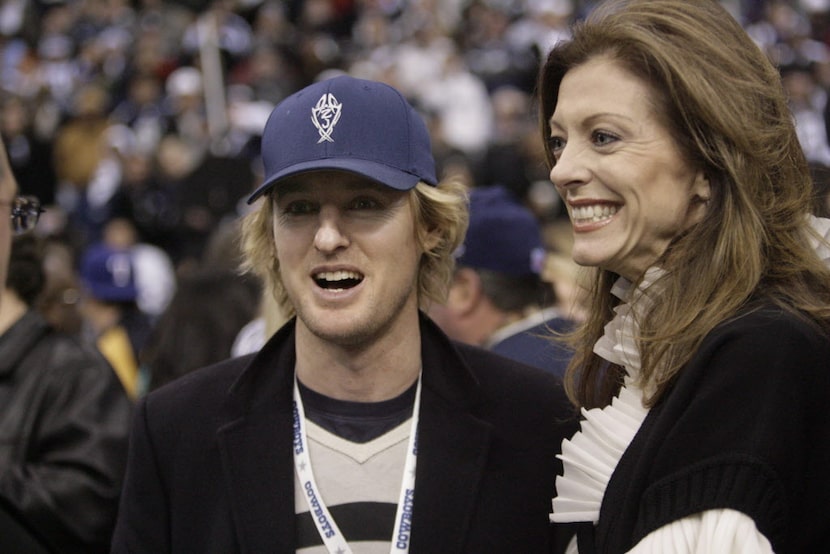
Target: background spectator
x=112 y=319
x=199 y=326
x=497 y=298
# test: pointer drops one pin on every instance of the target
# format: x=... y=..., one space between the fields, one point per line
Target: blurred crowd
x=137 y=125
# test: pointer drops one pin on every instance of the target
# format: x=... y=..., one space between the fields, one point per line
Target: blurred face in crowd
x=464 y=294
x=628 y=189
x=347 y=253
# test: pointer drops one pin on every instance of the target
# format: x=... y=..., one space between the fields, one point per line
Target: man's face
x=8 y=190
x=348 y=255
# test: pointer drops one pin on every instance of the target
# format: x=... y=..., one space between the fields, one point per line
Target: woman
x=703 y=370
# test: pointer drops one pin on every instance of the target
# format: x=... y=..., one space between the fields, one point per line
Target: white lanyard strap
x=332 y=537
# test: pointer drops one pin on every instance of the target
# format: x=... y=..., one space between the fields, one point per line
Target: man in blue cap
x=359 y=425
x=112 y=319
x=498 y=298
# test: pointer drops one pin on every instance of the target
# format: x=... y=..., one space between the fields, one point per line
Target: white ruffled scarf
x=822 y=227
x=591 y=455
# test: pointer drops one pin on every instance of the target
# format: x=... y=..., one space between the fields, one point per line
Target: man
x=64 y=418
x=353 y=235
x=112 y=319
x=497 y=298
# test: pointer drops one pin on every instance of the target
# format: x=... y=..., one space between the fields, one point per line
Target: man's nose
x=330 y=234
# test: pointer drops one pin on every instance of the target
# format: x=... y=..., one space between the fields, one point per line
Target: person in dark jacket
x=310 y=445
x=64 y=422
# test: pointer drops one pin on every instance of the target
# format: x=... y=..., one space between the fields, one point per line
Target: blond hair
x=721 y=99
x=441 y=217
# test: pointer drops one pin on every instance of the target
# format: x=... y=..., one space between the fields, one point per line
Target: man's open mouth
x=338 y=280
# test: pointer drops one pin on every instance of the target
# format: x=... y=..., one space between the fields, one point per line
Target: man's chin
x=341 y=330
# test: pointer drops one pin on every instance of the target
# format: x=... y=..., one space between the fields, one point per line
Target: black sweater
x=745 y=427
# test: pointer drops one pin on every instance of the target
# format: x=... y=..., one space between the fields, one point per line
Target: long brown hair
x=722 y=101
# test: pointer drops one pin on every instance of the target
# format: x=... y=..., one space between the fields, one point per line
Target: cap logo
x=325 y=116
x=119 y=267
x=538 y=256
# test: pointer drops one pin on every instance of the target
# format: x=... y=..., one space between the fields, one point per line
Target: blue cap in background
x=107 y=274
x=504 y=236
x=344 y=123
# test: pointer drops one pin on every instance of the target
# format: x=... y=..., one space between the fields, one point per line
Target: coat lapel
x=453 y=446
x=256 y=448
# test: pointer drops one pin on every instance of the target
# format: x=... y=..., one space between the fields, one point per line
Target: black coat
x=745 y=428
x=64 y=424
x=211 y=468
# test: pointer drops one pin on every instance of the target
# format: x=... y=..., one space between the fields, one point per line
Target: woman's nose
x=571 y=168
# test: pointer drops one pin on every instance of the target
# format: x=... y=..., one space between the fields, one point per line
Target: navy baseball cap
x=349 y=124
x=108 y=273
x=504 y=236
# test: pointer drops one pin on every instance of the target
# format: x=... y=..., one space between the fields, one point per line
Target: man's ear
x=432 y=240
x=465 y=292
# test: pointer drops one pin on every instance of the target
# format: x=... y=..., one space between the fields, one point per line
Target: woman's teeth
x=592 y=214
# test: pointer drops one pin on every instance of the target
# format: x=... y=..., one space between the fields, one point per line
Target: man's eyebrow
x=286 y=188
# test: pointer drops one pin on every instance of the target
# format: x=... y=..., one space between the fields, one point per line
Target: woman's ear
x=701 y=188
x=701 y=193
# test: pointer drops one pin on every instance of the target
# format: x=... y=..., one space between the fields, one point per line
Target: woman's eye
x=601 y=138
x=555 y=145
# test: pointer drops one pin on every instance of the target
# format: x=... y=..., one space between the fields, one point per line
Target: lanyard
x=326 y=526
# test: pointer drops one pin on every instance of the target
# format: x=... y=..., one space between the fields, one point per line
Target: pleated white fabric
x=591 y=455
x=822 y=226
